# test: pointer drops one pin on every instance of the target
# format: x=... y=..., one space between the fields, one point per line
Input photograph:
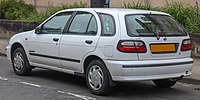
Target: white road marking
x=77 y=95
x=4 y=79
x=31 y=84
x=82 y=96
x=62 y=92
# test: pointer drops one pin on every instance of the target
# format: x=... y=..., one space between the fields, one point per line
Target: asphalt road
x=50 y=85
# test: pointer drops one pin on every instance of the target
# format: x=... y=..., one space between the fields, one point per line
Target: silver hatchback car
x=106 y=46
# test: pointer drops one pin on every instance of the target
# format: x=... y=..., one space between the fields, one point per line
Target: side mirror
x=38 y=30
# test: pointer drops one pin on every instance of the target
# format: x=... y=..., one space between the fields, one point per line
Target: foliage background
x=15 y=9
x=188 y=16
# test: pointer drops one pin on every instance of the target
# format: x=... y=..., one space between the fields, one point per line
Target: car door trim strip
x=53 y=57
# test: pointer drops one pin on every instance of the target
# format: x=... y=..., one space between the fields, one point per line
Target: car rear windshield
x=151 y=25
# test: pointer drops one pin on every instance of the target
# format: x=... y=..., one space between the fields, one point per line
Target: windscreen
x=151 y=25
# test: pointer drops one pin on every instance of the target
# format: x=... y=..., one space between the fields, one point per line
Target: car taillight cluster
x=131 y=46
x=186 y=45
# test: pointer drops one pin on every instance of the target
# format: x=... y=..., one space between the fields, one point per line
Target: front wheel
x=165 y=83
x=20 y=62
x=97 y=78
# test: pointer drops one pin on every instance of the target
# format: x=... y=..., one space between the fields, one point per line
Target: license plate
x=163 y=48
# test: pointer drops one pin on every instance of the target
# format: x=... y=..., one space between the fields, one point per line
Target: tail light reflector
x=131 y=46
x=186 y=45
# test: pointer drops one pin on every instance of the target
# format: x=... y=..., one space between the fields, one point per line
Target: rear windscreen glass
x=149 y=25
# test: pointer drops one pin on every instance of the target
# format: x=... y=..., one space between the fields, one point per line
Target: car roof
x=118 y=10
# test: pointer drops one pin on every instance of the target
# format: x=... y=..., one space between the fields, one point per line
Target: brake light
x=131 y=46
x=186 y=45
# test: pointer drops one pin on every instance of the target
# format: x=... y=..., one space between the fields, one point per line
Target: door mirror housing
x=38 y=30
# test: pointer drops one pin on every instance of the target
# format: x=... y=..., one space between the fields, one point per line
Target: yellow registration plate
x=162 y=48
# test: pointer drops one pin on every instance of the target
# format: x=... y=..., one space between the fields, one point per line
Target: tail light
x=186 y=45
x=131 y=46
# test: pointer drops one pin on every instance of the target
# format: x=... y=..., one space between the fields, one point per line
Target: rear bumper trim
x=156 y=65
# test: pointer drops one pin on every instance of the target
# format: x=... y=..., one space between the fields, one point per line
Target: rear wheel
x=20 y=62
x=97 y=78
x=165 y=83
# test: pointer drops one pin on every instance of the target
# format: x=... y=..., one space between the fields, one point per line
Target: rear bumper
x=149 y=70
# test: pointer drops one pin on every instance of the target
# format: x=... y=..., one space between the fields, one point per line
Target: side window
x=56 y=24
x=83 y=24
x=92 y=28
x=108 y=25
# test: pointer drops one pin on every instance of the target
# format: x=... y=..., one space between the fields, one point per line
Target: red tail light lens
x=186 y=45
x=130 y=46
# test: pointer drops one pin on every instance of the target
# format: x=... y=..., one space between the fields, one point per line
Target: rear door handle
x=55 y=39
x=88 y=41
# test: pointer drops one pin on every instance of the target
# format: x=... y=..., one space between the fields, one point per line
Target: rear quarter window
x=108 y=24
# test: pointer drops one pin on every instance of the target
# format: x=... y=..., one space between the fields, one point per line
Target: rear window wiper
x=156 y=34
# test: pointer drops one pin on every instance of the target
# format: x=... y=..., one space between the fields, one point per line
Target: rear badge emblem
x=165 y=39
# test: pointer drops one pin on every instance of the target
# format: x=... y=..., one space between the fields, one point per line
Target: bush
x=187 y=15
x=15 y=9
x=40 y=17
x=138 y=5
x=193 y=25
x=179 y=12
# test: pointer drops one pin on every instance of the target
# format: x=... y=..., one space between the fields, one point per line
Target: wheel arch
x=14 y=47
x=90 y=58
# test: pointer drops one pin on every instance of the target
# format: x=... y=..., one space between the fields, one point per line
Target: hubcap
x=95 y=77
x=18 y=61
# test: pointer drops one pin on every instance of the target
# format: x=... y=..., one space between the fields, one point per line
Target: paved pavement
x=3 y=43
x=196 y=69
x=194 y=78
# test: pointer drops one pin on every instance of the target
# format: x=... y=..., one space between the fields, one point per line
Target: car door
x=81 y=38
x=44 y=46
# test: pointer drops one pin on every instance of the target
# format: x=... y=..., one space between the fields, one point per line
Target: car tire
x=97 y=78
x=20 y=62
x=165 y=83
